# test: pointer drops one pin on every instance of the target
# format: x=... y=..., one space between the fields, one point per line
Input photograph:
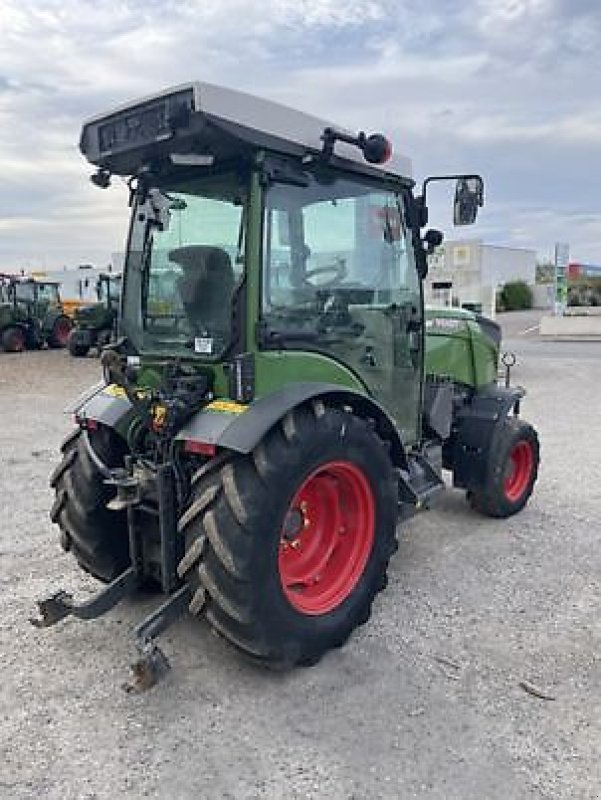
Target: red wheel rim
x=520 y=465
x=327 y=538
x=62 y=329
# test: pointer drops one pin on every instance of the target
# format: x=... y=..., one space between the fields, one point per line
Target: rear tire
x=97 y=537
x=512 y=473
x=13 y=340
x=287 y=547
x=59 y=336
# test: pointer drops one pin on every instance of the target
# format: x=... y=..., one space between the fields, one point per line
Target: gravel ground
x=424 y=701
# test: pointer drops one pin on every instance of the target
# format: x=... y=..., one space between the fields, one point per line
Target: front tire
x=512 y=473
x=287 y=547
x=76 y=348
x=59 y=335
x=97 y=537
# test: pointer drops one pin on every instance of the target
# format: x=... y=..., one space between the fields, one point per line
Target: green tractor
x=32 y=314
x=13 y=319
x=94 y=324
x=268 y=412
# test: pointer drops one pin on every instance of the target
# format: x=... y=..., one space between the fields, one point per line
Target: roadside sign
x=562 y=258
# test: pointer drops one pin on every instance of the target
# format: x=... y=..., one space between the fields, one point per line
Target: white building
x=469 y=273
x=77 y=284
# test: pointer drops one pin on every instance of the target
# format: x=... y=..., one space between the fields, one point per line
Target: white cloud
x=504 y=87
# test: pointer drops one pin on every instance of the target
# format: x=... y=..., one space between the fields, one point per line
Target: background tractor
x=13 y=319
x=268 y=412
x=95 y=323
x=32 y=314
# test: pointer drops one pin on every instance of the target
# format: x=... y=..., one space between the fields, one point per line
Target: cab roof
x=196 y=119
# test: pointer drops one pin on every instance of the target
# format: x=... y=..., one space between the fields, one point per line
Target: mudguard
x=238 y=427
x=234 y=426
x=104 y=403
x=476 y=426
x=78 y=403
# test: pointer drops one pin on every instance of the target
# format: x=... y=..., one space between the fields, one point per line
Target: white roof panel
x=264 y=117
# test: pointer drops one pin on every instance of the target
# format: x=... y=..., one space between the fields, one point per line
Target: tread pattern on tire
x=491 y=500
x=53 y=341
x=9 y=341
x=230 y=509
x=96 y=536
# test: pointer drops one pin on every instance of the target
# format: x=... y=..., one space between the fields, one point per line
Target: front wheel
x=287 y=547
x=77 y=348
x=59 y=335
x=512 y=473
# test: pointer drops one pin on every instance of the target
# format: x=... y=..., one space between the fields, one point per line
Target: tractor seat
x=206 y=287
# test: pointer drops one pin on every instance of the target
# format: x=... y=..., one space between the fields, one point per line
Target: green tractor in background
x=278 y=398
x=13 y=318
x=95 y=323
x=32 y=314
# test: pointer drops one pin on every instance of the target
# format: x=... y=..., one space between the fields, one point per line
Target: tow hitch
x=152 y=663
x=61 y=605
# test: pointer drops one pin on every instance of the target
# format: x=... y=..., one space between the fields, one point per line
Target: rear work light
x=199 y=448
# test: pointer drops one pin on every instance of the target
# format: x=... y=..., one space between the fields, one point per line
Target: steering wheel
x=338 y=271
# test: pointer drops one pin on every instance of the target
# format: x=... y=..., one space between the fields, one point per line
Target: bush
x=516 y=296
x=584 y=291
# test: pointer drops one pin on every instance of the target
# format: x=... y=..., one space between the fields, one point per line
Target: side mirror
x=469 y=196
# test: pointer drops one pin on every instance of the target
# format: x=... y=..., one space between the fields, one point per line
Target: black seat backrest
x=206 y=286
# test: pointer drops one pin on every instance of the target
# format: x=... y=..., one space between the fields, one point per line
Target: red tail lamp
x=199 y=448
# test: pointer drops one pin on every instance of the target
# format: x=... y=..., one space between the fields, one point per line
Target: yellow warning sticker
x=226 y=406
x=159 y=415
x=114 y=391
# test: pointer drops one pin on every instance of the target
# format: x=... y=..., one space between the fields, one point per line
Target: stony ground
x=425 y=701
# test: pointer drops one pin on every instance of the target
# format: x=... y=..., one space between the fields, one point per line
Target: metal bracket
x=60 y=605
x=153 y=664
x=508 y=360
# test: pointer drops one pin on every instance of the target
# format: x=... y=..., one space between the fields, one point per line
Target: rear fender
x=105 y=404
x=476 y=427
x=237 y=427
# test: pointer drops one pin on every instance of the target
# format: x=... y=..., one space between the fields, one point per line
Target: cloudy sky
x=509 y=88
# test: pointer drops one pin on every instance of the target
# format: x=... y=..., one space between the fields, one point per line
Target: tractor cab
x=95 y=323
x=37 y=295
x=108 y=290
x=40 y=302
x=258 y=230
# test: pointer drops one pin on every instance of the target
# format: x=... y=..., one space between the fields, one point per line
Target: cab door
x=392 y=340
x=344 y=267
